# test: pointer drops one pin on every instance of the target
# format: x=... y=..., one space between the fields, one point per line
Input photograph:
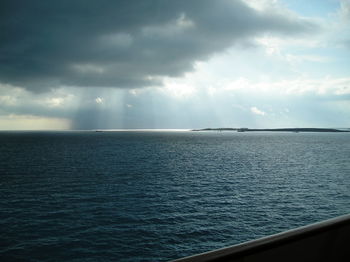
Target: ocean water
x=157 y=196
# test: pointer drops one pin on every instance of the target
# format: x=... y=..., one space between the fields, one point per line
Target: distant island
x=295 y=130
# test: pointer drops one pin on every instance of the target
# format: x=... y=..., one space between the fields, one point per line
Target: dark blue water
x=156 y=196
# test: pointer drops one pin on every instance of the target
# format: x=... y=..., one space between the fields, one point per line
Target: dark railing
x=328 y=240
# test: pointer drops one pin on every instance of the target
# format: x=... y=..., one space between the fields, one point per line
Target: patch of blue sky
x=314 y=8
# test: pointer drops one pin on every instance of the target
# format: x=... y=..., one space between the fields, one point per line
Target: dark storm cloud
x=124 y=43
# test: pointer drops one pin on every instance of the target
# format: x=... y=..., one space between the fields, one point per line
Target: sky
x=125 y=64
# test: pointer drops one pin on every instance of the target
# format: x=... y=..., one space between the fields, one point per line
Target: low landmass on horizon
x=244 y=129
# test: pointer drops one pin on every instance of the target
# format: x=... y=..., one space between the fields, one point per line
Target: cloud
x=99 y=100
x=232 y=105
x=345 y=9
x=257 y=111
x=124 y=44
x=30 y=122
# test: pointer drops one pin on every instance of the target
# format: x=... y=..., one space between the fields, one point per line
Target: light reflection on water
x=149 y=196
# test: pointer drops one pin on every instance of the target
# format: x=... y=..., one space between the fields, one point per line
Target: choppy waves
x=143 y=196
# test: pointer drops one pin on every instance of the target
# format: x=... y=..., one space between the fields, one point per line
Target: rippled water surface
x=156 y=196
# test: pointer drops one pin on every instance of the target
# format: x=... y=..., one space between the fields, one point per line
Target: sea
x=162 y=195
